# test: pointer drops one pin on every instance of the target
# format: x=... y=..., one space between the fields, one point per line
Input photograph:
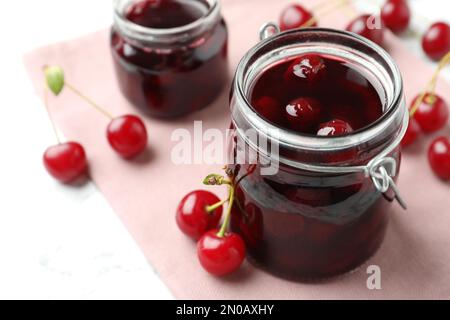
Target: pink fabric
x=414 y=259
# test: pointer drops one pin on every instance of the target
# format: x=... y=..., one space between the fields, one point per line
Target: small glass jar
x=170 y=71
x=324 y=211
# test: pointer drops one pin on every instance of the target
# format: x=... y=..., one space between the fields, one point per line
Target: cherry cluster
x=429 y=112
x=395 y=15
x=66 y=162
x=199 y=216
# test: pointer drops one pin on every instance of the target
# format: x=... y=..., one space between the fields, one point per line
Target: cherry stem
x=226 y=222
x=249 y=172
x=88 y=100
x=431 y=86
x=322 y=6
x=442 y=64
x=211 y=208
x=55 y=131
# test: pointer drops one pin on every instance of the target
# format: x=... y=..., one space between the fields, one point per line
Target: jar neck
x=165 y=37
x=370 y=59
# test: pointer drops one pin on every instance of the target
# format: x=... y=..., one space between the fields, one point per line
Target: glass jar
x=164 y=66
x=324 y=210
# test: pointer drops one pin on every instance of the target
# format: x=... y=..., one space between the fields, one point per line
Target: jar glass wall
x=170 y=56
x=320 y=214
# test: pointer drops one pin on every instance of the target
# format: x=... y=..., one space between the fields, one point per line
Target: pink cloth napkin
x=414 y=259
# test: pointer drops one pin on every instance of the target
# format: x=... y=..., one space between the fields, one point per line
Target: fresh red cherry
x=295 y=16
x=432 y=113
x=396 y=15
x=436 y=40
x=221 y=256
x=303 y=113
x=269 y=109
x=365 y=26
x=193 y=217
x=411 y=134
x=334 y=128
x=308 y=68
x=66 y=161
x=127 y=135
x=439 y=157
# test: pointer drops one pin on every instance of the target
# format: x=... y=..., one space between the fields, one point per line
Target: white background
x=50 y=244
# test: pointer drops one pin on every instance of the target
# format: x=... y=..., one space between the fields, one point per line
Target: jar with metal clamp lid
x=311 y=206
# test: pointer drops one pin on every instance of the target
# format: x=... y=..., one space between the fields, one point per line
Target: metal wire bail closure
x=268 y=30
x=382 y=169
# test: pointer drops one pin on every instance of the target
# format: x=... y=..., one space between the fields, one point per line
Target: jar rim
x=311 y=142
x=166 y=35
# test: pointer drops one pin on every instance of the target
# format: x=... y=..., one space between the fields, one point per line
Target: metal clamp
x=268 y=30
x=382 y=172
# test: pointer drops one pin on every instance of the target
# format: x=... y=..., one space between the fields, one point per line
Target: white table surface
x=50 y=245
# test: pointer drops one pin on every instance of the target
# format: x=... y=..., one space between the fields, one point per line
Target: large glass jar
x=324 y=210
x=170 y=56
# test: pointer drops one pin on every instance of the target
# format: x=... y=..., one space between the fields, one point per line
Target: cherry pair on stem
x=66 y=162
x=198 y=215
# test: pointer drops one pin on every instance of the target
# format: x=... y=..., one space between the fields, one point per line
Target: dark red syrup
x=311 y=93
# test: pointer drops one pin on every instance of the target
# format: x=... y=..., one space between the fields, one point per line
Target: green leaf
x=213 y=180
x=54 y=77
